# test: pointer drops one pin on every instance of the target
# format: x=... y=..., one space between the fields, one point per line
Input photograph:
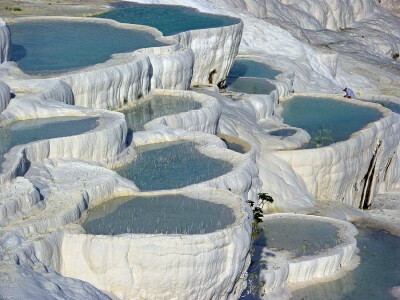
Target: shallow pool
x=251 y=68
x=169 y=19
x=249 y=85
x=23 y=132
x=155 y=107
x=388 y=104
x=327 y=121
x=45 y=47
x=173 y=214
x=299 y=237
x=377 y=274
x=285 y=132
x=172 y=165
x=235 y=147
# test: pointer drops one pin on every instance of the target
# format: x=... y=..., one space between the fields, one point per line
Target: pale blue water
x=172 y=165
x=173 y=214
x=46 y=47
x=23 y=132
x=158 y=106
x=327 y=121
x=388 y=104
x=298 y=236
x=251 y=68
x=168 y=19
x=249 y=85
x=378 y=272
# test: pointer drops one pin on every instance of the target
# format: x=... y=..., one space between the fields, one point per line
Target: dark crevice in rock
x=368 y=180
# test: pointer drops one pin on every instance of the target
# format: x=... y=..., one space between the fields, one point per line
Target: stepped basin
x=249 y=85
x=298 y=237
x=235 y=144
x=375 y=277
x=251 y=68
x=326 y=120
x=23 y=132
x=166 y=214
x=46 y=47
x=172 y=165
x=170 y=20
x=155 y=107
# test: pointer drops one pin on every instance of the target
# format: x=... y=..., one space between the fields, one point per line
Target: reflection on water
x=173 y=214
x=172 y=165
x=327 y=121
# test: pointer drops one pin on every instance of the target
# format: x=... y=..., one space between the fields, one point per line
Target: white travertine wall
x=214 y=50
x=204 y=119
x=102 y=144
x=58 y=90
x=5 y=42
x=310 y=14
x=191 y=58
x=159 y=266
x=279 y=271
x=5 y=96
x=351 y=171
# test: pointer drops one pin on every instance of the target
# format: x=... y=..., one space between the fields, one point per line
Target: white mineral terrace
x=47 y=186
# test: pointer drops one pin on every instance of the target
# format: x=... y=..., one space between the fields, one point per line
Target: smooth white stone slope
x=352 y=171
x=5 y=41
x=5 y=96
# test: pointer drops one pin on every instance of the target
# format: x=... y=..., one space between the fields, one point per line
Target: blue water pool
x=45 y=47
x=299 y=237
x=377 y=274
x=172 y=165
x=23 y=132
x=327 y=121
x=173 y=214
x=249 y=85
x=251 y=68
x=168 y=19
x=155 y=107
x=388 y=104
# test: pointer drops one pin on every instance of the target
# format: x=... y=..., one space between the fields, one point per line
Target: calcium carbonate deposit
x=136 y=144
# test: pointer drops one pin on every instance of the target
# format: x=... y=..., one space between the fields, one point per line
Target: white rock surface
x=280 y=271
x=5 y=42
x=137 y=266
x=102 y=144
x=351 y=171
x=5 y=96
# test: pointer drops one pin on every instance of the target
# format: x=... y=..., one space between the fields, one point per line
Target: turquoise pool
x=299 y=237
x=251 y=68
x=169 y=19
x=388 y=104
x=327 y=121
x=168 y=214
x=46 y=47
x=377 y=274
x=249 y=85
x=172 y=165
x=155 y=107
x=23 y=132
